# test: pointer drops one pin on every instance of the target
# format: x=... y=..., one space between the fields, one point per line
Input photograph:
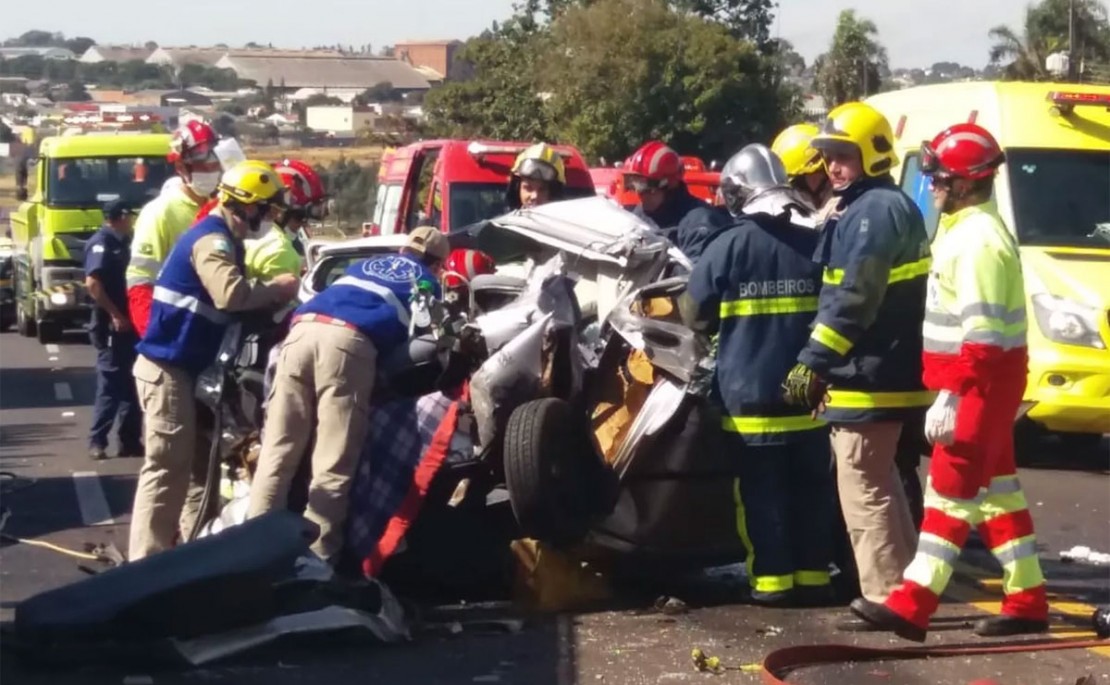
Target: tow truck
x=73 y=177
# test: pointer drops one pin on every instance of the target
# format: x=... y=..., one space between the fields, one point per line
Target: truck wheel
x=49 y=331
x=7 y=317
x=547 y=471
x=24 y=322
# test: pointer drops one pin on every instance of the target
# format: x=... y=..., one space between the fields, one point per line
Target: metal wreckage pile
x=565 y=403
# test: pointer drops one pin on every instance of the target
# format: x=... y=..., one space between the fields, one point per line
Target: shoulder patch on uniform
x=97 y=249
x=146 y=248
x=221 y=245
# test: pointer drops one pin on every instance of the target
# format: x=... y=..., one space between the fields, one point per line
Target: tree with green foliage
x=75 y=92
x=382 y=92
x=353 y=188
x=675 y=76
x=1045 y=31
x=852 y=68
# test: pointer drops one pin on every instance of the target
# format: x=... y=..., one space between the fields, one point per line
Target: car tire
x=550 y=469
x=24 y=322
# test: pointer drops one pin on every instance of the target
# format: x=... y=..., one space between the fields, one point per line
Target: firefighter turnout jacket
x=866 y=340
x=758 y=287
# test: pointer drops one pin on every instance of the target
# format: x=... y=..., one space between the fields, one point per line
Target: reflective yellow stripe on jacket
x=904 y=272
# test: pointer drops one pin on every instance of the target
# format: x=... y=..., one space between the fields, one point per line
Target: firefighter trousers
x=321 y=389
x=171 y=481
x=785 y=503
x=973 y=483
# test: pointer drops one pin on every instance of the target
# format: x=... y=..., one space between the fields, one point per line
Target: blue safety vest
x=186 y=328
x=373 y=296
x=759 y=281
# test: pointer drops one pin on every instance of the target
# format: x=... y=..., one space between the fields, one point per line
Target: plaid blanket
x=389 y=484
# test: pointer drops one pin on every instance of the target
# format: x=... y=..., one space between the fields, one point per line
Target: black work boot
x=885 y=619
x=1002 y=626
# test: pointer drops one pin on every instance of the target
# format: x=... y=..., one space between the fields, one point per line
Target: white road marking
x=67 y=414
x=52 y=349
x=53 y=359
x=63 y=392
x=91 y=499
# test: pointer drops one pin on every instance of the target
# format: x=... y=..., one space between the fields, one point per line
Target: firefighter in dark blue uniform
x=758 y=287
x=655 y=173
x=865 y=346
x=106 y=256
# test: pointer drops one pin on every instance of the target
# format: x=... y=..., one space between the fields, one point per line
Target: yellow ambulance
x=1054 y=194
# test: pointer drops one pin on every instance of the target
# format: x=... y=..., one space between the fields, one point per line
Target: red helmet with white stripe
x=463 y=265
x=304 y=188
x=962 y=151
x=193 y=141
x=654 y=165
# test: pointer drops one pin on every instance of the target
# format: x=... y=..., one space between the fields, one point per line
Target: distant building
x=438 y=56
x=114 y=53
x=45 y=53
x=307 y=70
x=179 y=57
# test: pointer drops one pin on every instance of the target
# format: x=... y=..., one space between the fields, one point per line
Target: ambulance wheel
x=24 y=321
x=548 y=471
x=49 y=331
x=7 y=317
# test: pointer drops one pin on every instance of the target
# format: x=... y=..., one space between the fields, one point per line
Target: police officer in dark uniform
x=758 y=287
x=106 y=256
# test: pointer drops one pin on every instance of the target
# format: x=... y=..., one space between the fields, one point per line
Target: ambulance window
x=417 y=214
x=379 y=204
x=437 y=206
x=391 y=207
x=916 y=185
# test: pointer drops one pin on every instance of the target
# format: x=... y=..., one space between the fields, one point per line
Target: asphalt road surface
x=62 y=497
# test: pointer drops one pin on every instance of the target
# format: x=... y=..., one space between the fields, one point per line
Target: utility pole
x=1072 y=56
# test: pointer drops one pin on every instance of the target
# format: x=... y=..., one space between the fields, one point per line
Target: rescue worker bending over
x=758 y=287
x=975 y=355
x=803 y=163
x=325 y=377
x=539 y=176
x=162 y=220
x=201 y=284
x=279 y=251
x=655 y=173
x=866 y=340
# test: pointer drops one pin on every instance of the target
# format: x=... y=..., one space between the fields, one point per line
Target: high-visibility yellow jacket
x=975 y=322
x=159 y=224
x=273 y=254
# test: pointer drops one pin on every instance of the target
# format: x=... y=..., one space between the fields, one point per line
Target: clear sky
x=916 y=33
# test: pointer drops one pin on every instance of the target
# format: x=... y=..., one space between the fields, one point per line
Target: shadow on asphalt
x=48 y=505
x=25 y=389
x=1070 y=453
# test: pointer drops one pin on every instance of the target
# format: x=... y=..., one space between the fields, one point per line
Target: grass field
x=316 y=155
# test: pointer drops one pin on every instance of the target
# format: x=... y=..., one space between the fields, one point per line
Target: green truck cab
x=71 y=178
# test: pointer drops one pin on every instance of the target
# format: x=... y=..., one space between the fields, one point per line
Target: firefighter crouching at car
x=278 y=251
x=162 y=220
x=803 y=164
x=975 y=356
x=654 y=172
x=202 y=283
x=325 y=377
x=758 y=286
x=866 y=339
x=539 y=176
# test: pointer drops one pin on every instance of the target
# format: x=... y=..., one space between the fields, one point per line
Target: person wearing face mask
x=325 y=377
x=279 y=251
x=200 y=287
x=976 y=357
x=865 y=344
x=162 y=220
x=538 y=176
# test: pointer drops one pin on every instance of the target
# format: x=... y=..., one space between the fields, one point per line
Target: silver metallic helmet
x=752 y=170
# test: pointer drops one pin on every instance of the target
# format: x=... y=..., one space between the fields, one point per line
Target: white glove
x=940 y=420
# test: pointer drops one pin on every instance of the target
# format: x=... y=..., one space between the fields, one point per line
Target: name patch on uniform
x=784 y=287
x=221 y=245
x=391 y=269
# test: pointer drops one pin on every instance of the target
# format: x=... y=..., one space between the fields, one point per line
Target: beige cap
x=430 y=242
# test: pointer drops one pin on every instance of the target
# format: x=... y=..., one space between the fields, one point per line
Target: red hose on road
x=779 y=663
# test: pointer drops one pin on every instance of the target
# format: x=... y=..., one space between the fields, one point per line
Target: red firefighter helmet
x=193 y=141
x=463 y=265
x=304 y=188
x=962 y=151
x=654 y=165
